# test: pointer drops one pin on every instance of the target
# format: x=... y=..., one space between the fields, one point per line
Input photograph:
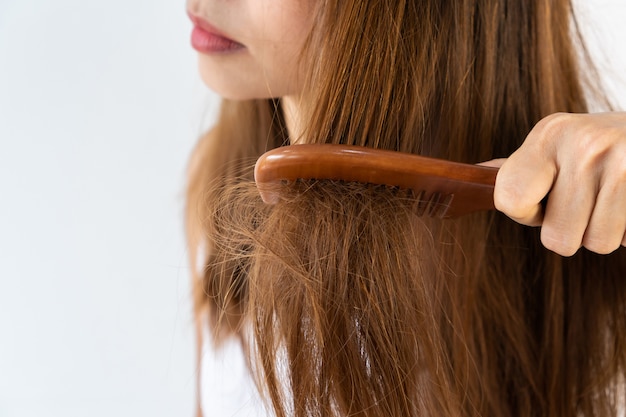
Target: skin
x=578 y=159
x=273 y=33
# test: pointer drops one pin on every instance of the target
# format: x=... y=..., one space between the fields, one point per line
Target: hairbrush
x=443 y=189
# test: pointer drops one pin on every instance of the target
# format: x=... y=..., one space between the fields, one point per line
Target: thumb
x=494 y=163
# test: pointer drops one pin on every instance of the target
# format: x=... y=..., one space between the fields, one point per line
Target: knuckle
x=618 y=168
x=551 y=127
x=509 y=195
x=503 y=197
x=559 y=242
x=588 y=142
x=555 y=122
x=509 y=199
x=591 y=147
x=600 y=246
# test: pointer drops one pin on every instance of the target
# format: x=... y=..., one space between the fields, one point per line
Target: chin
x=231 y=85
x=222 y=89
x=241 y=79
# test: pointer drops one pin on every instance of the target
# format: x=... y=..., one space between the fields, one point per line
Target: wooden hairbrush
x=443 y=188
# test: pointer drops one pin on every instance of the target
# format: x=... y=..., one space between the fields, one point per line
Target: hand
x=580 y=160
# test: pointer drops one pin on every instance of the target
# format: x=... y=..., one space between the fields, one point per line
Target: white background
x=100 y=105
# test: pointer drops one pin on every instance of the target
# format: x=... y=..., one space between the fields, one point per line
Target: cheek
x=282 y=67
x=282 y=40
x=283 y=25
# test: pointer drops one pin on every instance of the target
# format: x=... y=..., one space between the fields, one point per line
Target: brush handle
x=471 y=185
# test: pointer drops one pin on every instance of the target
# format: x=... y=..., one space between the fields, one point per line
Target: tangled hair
x=347 y=303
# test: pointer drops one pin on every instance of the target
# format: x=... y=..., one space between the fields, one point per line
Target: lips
x=207 y=39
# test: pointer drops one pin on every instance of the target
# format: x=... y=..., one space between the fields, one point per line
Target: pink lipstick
x=207 y=39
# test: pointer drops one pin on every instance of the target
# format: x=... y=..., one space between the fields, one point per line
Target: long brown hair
x=357 y=307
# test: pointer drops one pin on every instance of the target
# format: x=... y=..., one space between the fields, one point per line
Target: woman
x=345 y=301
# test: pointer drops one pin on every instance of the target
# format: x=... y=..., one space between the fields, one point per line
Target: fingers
x=523 y=181
x=579 y=163
x=606 y=229
x=568 y=210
